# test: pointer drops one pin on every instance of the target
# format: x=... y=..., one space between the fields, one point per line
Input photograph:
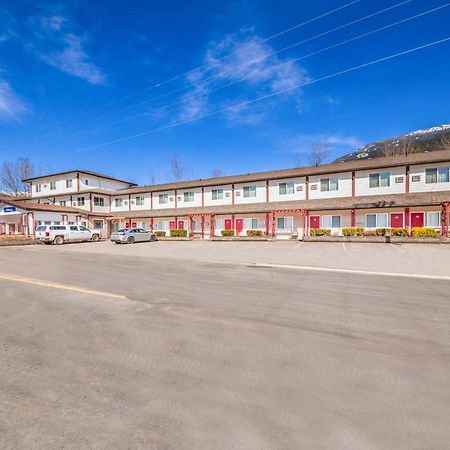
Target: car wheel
x=152 y=238
x=95 y=238
x=59 y=240
x=130 y=240
x=117 y=242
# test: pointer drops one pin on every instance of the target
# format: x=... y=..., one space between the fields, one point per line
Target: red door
x=181 y=224
x=172 y=224
x=417 y=219
x=228 y=224
x=314 y=222
x=239 y=225
x=128 y=225
x=396 y=220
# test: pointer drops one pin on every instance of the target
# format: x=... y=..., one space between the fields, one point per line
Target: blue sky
x=75 y=77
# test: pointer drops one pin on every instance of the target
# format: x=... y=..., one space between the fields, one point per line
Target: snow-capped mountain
x=426 y=140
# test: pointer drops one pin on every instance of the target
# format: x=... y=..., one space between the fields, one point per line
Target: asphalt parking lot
x=201 y=345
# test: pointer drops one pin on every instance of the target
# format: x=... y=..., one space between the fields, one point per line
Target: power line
x=264 y=97
x=248 y=63
x=317 y=52
x=181 y=75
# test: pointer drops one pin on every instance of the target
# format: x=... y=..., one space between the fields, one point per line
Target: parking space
x=191 y=345
x=424 y=259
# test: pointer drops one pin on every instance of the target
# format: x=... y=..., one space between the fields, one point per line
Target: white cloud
x=74 y=60
x=249 y=64
x=301 y=144
x=11 y=106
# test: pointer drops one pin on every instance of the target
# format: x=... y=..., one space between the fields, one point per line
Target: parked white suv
x=58 y=234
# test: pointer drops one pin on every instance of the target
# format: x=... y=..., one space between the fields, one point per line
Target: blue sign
x=9 y=209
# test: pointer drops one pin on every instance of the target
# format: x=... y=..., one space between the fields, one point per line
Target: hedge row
x=178 y=233
x=319 y=232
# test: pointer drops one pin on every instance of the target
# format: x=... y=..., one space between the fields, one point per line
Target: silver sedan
x=132 y=235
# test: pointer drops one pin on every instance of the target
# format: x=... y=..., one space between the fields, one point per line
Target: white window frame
x=69 y=183
x=118 y=202
x=53 y=185
x=329 y=184
x=331 y=219
x=217 y=194
x=163 y=199
x=247 y=190
x=140 y=201
x=291 y=218
x=99 y=201
x=377 y=225
x=39 y=187
x=439 y=219
x=288 y=187
x=254 y=220
x=81 y=201
x=188 y=197
x=439 y=172
x=380 y=177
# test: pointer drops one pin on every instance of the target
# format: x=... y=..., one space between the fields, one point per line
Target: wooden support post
x=445 y=218
x=273 y=223
x=407 y=219
x=203 y=226
x=353 y=184
x=212 y=226
x=407 y=179
x=305 y=222
x=267 y=223
x=307 y=188
x=353 y=218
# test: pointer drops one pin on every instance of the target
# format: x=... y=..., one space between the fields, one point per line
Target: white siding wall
x=260 y=193
x=362 y=182
x=422 y=186
x=345 y=186
x=227 y=195
x=197 y=198
x=299 y=190
x=147 y=202
x=125 y=203
x=171 y=200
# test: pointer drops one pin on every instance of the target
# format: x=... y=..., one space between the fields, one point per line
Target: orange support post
x=273 y=223
x=353 y=220
x=203 y=227
x=267 y=223
x=445 y=218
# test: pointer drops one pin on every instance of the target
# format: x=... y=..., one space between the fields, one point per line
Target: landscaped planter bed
x=239 y=238
x=168 y=238
x=16 y=240
x=379 y=239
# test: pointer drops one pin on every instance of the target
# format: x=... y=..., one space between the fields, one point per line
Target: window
x=118 y=202
x=99 y=201
x=68 y=184
x=73 y=228
x=217 y=194
x=82 y=228
x=250 y=224
x=220 y=224
x=86 y=182
x=80 y=201
x=249 y=191
x=139 y=201
x=285 y=223
x=377 y=220
x=38 y=187
x=163 y=198
x=329 y=184
x=433 y=219
x=382 y=179
x=162 y=225
x=188 y=196
x=331 y=221
x=52 y=185
x=286 y=188
x=437 y=175
x=63 y=202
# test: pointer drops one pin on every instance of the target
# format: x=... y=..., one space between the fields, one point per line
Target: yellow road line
x=52 y=285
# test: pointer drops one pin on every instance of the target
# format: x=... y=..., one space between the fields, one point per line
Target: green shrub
x=424 y=232
x=254 y=233
x=160 y=233
x=382 y=231
x=399 y=232
x=227 y=233
x=319 y=232
x=178 y=233
x=353 y=231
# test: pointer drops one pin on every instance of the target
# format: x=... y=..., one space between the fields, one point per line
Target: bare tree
x=444 y=142
x=216 y=173
x=12 y=175
x=177 y=169
x=400 y=147
x=318 y=153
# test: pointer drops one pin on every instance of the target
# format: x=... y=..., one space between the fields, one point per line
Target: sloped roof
x=87 y=172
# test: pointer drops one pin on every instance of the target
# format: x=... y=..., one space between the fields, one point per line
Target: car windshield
x=41 y=228
x=122 y=230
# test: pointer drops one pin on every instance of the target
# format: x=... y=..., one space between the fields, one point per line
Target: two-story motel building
x=401 y=191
